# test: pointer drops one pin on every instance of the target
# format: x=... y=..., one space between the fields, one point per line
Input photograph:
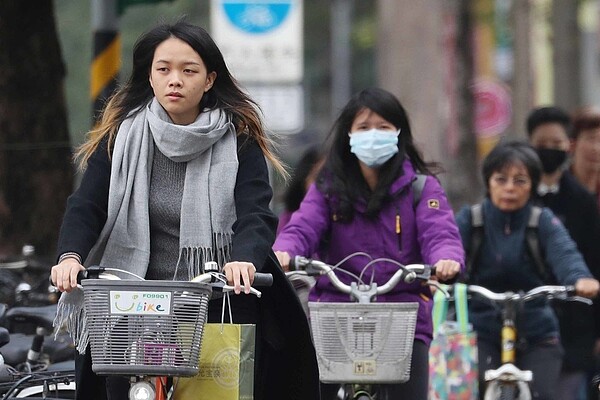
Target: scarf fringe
x=71 y=316
x=196 y=257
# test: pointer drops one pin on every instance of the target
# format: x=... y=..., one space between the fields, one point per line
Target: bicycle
x=24 y=280
x=150 y=330
x=363 y=344
x=508 y=382
x=35 y=377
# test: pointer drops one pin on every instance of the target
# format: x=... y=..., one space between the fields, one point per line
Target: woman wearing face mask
x=548 y=130
x=362 y=201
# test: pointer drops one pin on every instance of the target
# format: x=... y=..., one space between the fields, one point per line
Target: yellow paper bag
x=226 y=365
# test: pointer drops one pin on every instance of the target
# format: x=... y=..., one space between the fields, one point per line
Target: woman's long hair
x=225 y=93
x=342 y=178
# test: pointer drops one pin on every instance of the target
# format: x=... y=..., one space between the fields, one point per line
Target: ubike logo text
x=140 y=303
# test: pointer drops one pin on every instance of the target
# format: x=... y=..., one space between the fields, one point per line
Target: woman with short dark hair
x=502 y=263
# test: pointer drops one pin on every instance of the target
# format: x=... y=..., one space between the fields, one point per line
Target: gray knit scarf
x=209 y=148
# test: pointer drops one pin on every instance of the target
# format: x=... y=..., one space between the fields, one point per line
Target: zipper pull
x=507 y=228
x=398 y=230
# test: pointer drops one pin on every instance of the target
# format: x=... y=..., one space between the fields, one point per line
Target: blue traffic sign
x=257 y=17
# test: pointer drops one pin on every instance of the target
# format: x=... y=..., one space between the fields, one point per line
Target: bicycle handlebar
x=261 y=279
x=550 y=291
x=215 y=279
x=407 y=273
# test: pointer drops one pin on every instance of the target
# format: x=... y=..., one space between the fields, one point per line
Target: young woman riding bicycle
x=503 y=263
x=363 y=202
x=176 y=176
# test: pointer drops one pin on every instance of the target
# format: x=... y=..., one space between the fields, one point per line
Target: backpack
x=531 y=239
x=417 y=188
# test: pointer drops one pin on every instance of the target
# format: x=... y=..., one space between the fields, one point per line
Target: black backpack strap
x=417 y=188
x=476 y=238
x=533 y=241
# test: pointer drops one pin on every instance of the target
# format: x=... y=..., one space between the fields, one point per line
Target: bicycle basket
x=145 y=327
x=363 y=343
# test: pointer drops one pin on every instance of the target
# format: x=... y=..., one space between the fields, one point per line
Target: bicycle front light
x=141 y=391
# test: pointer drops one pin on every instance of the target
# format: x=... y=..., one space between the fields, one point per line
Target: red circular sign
x=493 y=109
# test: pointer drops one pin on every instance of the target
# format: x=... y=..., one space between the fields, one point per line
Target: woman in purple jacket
x=362 y=201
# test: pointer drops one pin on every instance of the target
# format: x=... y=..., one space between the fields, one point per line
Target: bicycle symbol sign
x=257 y=16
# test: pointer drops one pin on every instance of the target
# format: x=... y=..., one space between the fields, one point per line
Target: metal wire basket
x=145 y=327
x=363 y=343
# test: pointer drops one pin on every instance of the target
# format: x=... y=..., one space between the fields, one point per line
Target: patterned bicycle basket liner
x=363 y=343
x=145 y=327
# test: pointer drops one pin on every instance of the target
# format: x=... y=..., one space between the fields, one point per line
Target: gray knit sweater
x=166 y=191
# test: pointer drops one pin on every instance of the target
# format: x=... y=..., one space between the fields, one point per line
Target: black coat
x=286 y=365
x=578 y=211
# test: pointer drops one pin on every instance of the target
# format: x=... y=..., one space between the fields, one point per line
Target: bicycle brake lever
x=311 y=270
x=257 y=293
x=439 y=287
x=583 y=300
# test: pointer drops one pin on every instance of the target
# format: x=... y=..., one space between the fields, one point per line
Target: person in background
x=511 y=172
x=303 y=176
x=176 y=176
x=585 y=142
x=548 y=131
x=362 y=201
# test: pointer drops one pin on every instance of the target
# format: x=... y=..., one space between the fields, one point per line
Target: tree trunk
x=35 y=154
x=567 y=78
x=425 y=57
x=464 y=177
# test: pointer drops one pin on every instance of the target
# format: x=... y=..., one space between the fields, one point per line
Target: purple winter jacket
x=428 y=234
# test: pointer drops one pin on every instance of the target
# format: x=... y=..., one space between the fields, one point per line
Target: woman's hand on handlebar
x=64 y=275
x=587 y=287
x=446 y=269
x=284 y=259
x=238 y=271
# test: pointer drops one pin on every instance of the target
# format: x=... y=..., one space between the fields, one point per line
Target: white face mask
x=375 y=146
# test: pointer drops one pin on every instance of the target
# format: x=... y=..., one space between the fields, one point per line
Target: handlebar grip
x=263 y=279
x=93 y=271
x=81 y=275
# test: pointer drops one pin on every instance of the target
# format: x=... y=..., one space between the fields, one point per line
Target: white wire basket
x=363 y=343
x=145 y=327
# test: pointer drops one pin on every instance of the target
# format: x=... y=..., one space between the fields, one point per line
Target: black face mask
x=551 y=159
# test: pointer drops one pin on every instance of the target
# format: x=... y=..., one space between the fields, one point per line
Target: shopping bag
x=226 y=365
x=453 y=373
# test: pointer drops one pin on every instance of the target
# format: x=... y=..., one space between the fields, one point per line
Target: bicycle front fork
x=357 y=392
